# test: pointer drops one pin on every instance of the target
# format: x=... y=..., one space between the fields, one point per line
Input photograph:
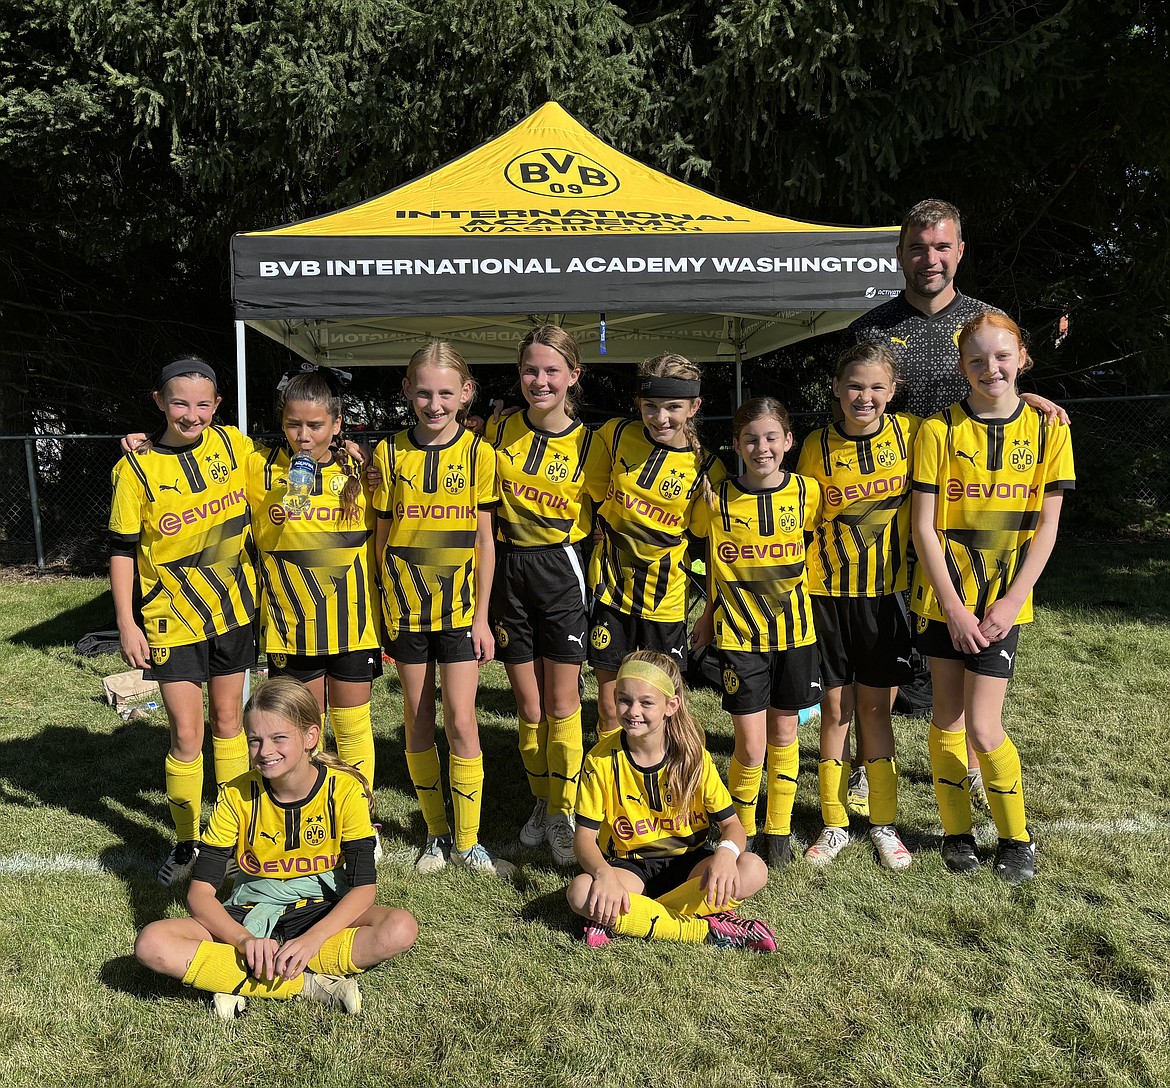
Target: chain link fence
x=55 y=489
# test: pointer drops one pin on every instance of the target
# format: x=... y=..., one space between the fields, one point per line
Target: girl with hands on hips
x=647 y=798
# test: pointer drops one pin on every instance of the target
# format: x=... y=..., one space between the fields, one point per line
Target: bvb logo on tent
x=554 y=171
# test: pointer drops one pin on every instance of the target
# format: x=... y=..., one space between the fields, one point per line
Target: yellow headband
x=648 y=674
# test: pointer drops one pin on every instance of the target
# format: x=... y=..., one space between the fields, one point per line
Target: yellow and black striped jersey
x=548 y=483
x=493 y=427
x=756 y=560
x=631 y=808
x=317 y=567
x=859 y=548
x=432 y=496
x=989 y=479
x=183 y=513
x=652 y=495
x=273 y=839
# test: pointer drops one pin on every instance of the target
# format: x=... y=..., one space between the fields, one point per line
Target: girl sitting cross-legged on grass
x=301 y=915
x=646 y=800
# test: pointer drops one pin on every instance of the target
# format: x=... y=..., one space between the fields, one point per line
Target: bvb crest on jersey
x=886 y=456
x=1021 y=458
x=557 y=469
x=314 y=833
x=672 y=486
x=279 y=660
x=787 y=519
x=455 y=480
x=730 y=681
x=599 y=637
x=216 y=469
x=337 y=485
x=502 y=635
x=159 y=655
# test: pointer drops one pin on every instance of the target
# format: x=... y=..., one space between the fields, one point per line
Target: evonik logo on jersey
x=625 y=829
x=647 y=509
x=733 y=553
x=170 y=523
x=278 y=515
x=318 y=863
x=836 y=496
x=418 y=511
x=534 y=495
x=956 y=490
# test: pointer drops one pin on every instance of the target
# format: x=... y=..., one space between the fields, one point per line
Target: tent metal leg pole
x=241 y=379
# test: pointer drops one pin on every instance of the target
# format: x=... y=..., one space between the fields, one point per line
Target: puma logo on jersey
x=902 y=660
x=171 y=487
x=968 y=456
x=899 y=340
x=626 y=465
x=676 y=650
x=843 y=462
x=636 y=800
x=408 y=480
x=271 y=838
x=510 y=455
x=1007 y=657
x=814 y=684
x=745 y=522
x=579 y=640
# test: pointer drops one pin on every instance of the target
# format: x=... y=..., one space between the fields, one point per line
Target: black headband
x=337 y=380
x=687 y=388
x=186 y=366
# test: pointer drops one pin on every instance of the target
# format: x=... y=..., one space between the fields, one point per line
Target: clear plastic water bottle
x=302 y=475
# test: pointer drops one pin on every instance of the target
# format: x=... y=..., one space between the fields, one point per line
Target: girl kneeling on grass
x=989 y=477
x=647 y=797
x=301 y=915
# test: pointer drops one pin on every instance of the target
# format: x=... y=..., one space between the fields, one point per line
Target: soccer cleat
x=891 y=851
x=958 y=853
x=1015 y=861
x=480 y=861
x=379 y=853
x=180 y=861
x=777 y=850
x=978 y=793
x=334 y=991
x=857 y=796
x=533 y=831
x=729 y=930
x=432 y=858
x=597 y=936
x=559 y=832
x=830 y=842
x=228 y=1006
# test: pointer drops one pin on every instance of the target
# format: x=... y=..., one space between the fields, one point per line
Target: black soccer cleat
x=958 y=853
x=777 y=850
x=1015 y=862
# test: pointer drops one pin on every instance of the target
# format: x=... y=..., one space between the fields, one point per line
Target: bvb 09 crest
x=787 y=519
x=1021 y=459
x=557 y=470
x=730 y=681
x=455 y=480
x=886 y=457
x=599 y=637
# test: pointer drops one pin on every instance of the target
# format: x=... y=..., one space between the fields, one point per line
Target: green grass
x=916 y=979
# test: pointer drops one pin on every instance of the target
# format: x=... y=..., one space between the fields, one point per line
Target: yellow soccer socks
x=883 y=791
x=565 y=753
x=354 y=734
x=219 y=969
x=744 y=785
x=532 y=739
x=833 y=780
x=185 y=796
x=231 y=757
x=650 y=920
x=690 y=900
x=1003 y=780
x=948 y=766
x=466 y=776
x=783 y=767
x=428 y=787
x=336 y=955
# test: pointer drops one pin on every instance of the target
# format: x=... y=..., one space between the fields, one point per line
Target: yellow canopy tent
x=548 y=222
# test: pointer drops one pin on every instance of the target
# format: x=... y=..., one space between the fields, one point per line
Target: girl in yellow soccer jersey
x=301 y=915
x=321 y=614
x=989 y=477
x=857 y=575
x=659 y=474
x=179 y=522
x=648 y=796
x=436 y=550
x=551 y=469
x=759 y=615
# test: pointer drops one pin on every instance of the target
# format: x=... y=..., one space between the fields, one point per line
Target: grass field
x=916 y=979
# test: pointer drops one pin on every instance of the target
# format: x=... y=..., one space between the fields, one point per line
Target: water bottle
x=302 y=475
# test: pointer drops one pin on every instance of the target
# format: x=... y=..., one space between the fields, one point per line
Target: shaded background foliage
x=137 y=135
